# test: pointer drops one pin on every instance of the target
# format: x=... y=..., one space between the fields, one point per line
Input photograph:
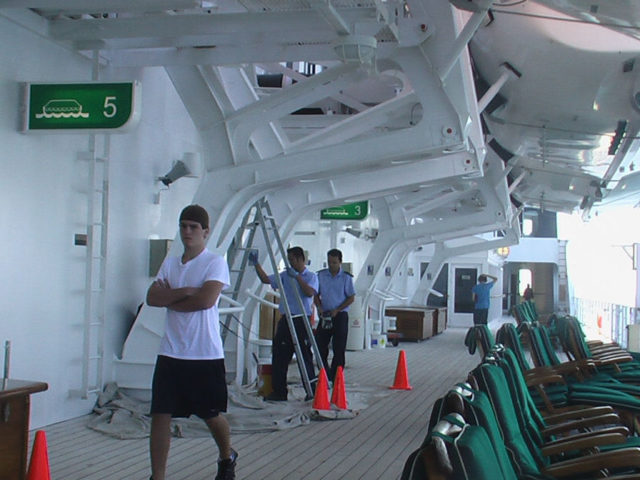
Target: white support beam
x=206 y=114
x=460 y=43
x=331 y=15
x=220 y=54
x=354 y=125
x=494 y=89
x=245 y=120
x=397 y=243
x=517 y=181
x=497 y=214
x=444 y=253
x=326 y=192
x=299 y=77
x=315 y=196
x=304 y=26
x=427 y=206
x=97 y=6
x=265 y=139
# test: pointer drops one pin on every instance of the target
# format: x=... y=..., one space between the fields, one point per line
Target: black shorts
x=189 y=387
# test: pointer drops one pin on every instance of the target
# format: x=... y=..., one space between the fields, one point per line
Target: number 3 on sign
x=109 y=107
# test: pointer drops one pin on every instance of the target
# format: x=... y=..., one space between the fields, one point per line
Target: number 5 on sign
x=110 y=108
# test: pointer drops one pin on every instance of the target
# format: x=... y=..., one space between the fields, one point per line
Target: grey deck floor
x=373 y=445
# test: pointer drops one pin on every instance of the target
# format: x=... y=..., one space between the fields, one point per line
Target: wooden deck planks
x=374 y=445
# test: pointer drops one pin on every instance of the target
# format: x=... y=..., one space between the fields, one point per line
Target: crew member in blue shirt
x=335 y=294
x=482 y=298
x=296 y=276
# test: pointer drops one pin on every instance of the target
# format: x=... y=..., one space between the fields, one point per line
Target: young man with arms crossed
x=189 y=376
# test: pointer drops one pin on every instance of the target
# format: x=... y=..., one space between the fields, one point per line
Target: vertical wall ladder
x=95 y=268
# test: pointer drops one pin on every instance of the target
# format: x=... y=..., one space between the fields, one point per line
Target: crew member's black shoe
x=274 y=397
x=227 y=467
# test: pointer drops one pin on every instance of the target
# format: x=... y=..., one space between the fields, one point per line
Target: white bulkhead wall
x=44 y=205
x=318 y=236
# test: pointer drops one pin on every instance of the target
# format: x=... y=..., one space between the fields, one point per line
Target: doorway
x=464 y=278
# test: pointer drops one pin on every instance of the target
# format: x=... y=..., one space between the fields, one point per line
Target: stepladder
x=259 y=219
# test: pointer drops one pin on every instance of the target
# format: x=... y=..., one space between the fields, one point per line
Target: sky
x=598 y=266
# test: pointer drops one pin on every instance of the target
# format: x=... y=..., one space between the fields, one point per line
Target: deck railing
x=604 y=320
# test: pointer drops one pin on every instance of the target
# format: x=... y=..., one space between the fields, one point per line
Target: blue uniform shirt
x=289 y=283
x=334 y=290
x=482 y=291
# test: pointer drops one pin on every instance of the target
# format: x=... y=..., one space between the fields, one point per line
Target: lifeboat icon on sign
x=62 y=108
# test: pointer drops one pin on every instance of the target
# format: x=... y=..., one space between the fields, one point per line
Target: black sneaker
x=274 y=397
x=227 y=468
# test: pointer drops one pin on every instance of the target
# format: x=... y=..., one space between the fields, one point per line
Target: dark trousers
x=338 y=332
x=283 y=351
x=480 y=316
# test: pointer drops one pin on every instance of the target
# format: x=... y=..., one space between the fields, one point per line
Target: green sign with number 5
x=82 y=106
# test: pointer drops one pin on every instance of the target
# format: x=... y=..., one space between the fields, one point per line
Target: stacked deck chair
x=532 y=457
x=560 y=386
x=465 y=441
x=578 y=372
x=608 y=358
x=540 y=426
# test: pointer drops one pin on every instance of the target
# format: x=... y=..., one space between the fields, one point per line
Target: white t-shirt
x=193 y=335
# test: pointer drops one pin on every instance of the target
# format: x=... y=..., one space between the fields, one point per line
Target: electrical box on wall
x=158 y=249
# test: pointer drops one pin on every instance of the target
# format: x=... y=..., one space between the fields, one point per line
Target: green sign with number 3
x=349 y=211
x=82 y=106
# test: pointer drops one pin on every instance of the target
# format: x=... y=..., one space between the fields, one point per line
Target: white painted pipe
x=261 y=300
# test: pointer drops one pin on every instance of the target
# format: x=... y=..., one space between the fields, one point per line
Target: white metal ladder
x=95 y=267
x=260 y=216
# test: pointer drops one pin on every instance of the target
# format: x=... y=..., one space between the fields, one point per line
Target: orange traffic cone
x=321 y=398
x=401 y=381
x=39 y=463
x=339 y=395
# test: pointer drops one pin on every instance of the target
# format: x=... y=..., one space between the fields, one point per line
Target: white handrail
x=262 y=300
x=381 y=294
x=237 y=307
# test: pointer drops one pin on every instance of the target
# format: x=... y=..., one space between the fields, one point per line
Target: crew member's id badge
x=327 y=322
